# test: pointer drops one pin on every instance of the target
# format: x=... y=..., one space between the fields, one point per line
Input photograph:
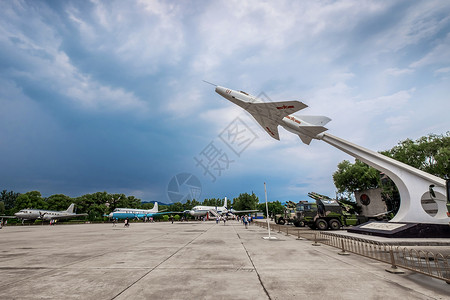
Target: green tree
x=245 y=202
x=147 y=205
x=274 y=208
x=31 y=199
x=9 y=199
x=355 y=177
x=58 y=202
x=429 y=153
x=177 y=206
x=2 y=208
x=95 y=205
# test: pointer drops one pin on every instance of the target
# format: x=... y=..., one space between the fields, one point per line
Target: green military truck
x=292 y=213
x=328 y=213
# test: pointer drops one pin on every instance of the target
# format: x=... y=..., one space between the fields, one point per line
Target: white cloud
x=44 y=63
x=419 y=22
x=439 y=55
x=443 y=70
x=398 y=72
x=143 y=36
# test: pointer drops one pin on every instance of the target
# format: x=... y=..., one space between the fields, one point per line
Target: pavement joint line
x=181 y=248
x=49 y=270
x=256 y=271
x=349 y=261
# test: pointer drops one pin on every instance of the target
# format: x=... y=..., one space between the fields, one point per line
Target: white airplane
x=271 y=114
x=47 y=215
x=133 y=213
x=203 y=210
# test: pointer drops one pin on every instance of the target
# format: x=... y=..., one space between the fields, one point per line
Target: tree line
x=98 y=204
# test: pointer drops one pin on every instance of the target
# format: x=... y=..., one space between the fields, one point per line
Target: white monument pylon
x=413 y=184
x=417 y=188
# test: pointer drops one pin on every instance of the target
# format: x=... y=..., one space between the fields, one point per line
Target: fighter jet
x=47 y=215
x=271 y=114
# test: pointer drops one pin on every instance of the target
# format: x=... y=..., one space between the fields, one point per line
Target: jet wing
x=57 y=217
x=275 y=110
x=244 y=211
x=270 y=114
x=269 y=126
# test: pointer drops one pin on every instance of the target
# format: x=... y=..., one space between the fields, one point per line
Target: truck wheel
x=281 y=221
x=321 y=224
x=299 y=224
x=334 y=224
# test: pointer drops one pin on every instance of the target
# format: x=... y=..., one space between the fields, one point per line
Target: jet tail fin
x=314 y=127
x=70 y=209
x=155 y=207
x=316 y=120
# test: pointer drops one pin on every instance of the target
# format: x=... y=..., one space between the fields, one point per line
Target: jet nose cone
x=221 y=90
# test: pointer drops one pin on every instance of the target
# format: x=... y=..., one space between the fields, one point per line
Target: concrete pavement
x=191 y=260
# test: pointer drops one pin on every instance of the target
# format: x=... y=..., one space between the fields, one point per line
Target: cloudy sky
x=108 y=95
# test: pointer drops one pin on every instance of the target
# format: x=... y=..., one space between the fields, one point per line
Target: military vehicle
x=292 y=213
x=329 y=213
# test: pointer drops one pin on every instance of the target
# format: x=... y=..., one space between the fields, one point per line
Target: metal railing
x=435 y=265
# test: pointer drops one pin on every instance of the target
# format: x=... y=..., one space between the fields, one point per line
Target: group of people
x=246 y=220
x=126 y=223
x=222 y=218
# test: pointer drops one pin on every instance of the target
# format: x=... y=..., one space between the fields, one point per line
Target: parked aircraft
x=47 y=215
x=133 y=213
x=271 y=114
x=203 y=210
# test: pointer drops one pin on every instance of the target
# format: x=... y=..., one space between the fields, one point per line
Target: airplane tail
x=315 y=120
x=316 y=127
x=70 y=209
x=155 y=207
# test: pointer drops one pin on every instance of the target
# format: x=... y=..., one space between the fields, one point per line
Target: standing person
x=127 y=223
x=224 y=220
x=245 y=221
x=114 y=222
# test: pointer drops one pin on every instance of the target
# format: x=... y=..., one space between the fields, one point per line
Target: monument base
x=402 y=230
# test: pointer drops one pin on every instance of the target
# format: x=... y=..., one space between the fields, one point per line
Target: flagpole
x=267 y=214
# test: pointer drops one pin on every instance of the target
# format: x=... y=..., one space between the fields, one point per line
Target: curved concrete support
x=413 y=184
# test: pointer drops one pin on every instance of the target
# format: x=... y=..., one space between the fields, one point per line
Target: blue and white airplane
x=135 y=213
